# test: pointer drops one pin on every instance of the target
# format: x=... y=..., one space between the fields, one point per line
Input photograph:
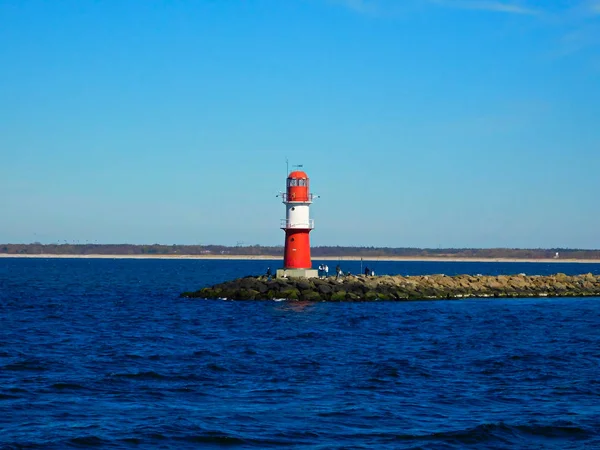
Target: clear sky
x=422 y=123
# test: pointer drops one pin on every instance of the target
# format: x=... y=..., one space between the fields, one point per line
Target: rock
x=339 y=296
x=281 y=282
x=370 y=296
x=351 y=296
x=303 y=284
x=290 y=294
x=325 y=289
x=247 y=282
x=311 y=296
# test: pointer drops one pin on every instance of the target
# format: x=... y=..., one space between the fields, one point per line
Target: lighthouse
x=297 y=226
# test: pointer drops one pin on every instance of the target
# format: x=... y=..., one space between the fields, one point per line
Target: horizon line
x=243 y=245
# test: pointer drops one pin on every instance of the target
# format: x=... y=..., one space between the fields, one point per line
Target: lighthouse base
x=297 y=273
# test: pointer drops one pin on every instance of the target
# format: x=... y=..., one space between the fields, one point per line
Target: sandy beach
x=323 y=258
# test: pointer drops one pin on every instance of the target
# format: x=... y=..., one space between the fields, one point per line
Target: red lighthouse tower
x=297 y=226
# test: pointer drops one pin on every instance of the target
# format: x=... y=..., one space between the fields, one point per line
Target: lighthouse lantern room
x=297 y=226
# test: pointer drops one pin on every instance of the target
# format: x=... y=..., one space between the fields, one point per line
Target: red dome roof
x=298 y=174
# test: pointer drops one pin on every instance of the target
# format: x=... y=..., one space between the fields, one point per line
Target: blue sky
x=422 y=123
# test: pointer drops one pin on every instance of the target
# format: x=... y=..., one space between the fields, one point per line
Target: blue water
x=104 y=354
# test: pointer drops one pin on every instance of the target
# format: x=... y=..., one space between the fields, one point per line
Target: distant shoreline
x=323 y=258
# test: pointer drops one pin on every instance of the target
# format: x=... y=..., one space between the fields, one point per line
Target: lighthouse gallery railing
x=287 y=224
x=287 y=198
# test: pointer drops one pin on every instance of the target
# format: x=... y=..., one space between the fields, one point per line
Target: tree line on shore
x=37 y=248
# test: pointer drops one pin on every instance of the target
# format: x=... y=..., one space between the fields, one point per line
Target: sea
x=103 y=353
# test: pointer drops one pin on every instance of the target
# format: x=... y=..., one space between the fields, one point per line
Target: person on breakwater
x=269 y=273
x=338 y=271
x=367 y=271
x=320 y=270
x=326 y=268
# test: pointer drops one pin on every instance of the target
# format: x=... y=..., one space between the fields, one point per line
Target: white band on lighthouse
x=297 y=216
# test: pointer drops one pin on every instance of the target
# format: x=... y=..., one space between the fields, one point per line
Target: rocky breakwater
x=363 y=288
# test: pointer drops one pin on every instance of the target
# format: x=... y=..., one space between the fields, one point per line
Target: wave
x=311 y=335
x=205 y=353
x=216 y=368
x=394 y=368
x=53 y=316
x=219 y=439
x=132 y=441
x=557 y=431
x=499 y=432
x=212 y=439
x=32 y=365
x=16 y=389
x=271 y=391
x=502 y=431
x=87 y=441
x=61 y=386
x=133 y=356
x=149 y=375
x=8 y=396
